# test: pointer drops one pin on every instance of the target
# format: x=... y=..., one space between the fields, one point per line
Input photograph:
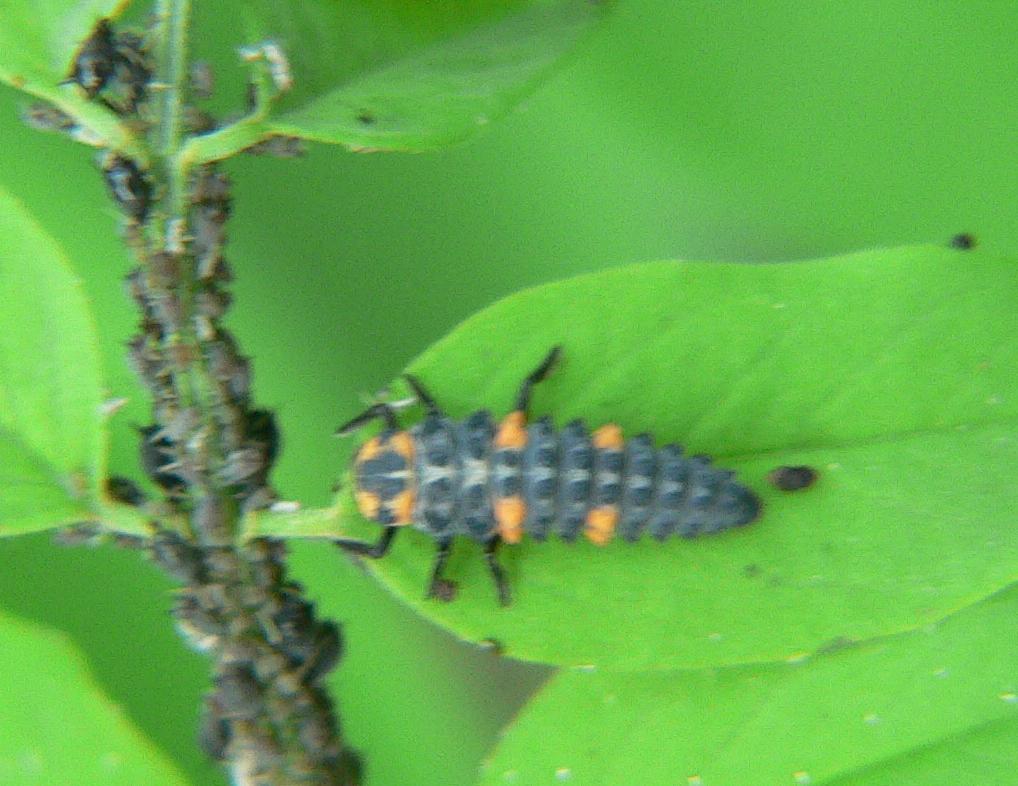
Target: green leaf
x=403 y=76
x=38 y=41
x=52 y=440
x=59 y=726
x=930 y=707
x=892 y=372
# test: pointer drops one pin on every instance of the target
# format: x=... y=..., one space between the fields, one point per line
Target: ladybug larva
x=497 y=482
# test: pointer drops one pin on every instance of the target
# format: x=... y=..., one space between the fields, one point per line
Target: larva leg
x=497 y=573
x=537 y=375
x=439 y=587
x=376 y=411
x=372 y=550
x=422 y=394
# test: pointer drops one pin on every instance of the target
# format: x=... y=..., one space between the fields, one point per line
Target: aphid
x=261 y=428
x=203 y=80
x=117 y=61
x=157 y=454
x=210 y=186
x=325 y=652
x=279 y=66
x=124 y=490
x=178 y=557
x=221 y=564
x=45 y=117
x=242 y=464
x=792 y=478
x=132 y=70
x=96 y=60
x=497 y=482
x=176 y=240
x=130 y=188
x=278 y=146
x=214 y=730
x=86 y=533
x=238 y=692
x=197 y=625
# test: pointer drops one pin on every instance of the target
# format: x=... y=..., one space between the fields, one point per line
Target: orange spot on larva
x=369 y=450
x=367 y=503
x=403 y=507
x=601 y=523
x=512 y=431
x=608 y=436
x=509 y=515
x=403 y=444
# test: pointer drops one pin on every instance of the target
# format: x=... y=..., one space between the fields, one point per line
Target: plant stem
x=173 y=16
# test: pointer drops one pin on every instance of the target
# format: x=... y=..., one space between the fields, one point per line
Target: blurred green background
x=751 y=131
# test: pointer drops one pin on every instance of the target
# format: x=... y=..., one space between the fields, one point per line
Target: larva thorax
x=474 y=477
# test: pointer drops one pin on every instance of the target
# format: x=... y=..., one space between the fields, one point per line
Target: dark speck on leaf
x=366 y=118
x=792 y=478
x=751 y=571
x=963 y=241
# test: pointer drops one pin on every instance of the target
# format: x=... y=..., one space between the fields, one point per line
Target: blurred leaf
x=930 y=707
x=404 y=76
x=38 y=42
x=58 y=725
x=893 y=372
x=51 y=431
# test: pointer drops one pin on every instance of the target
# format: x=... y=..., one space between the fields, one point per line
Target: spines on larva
x=475 y=436
x=437 y=458
x=669 y=490
x=575 y=482
x=702 y=484
x=540 y=478
x=638 y=482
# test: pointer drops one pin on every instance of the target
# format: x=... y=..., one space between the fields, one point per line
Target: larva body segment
x=498 y=482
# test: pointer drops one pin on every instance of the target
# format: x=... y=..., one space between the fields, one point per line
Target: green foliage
x=52 y=426
x=911 y=708
x=51 y=432
x=404 y=76
x=829 y=364
x=59 y=725
x=661 y=143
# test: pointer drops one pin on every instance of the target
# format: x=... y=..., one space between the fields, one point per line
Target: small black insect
x=129 y=186
x=157 y=457
x=119 y=62
x=124 y=490
x=96 y=60
x=963 y=241
x=178 y=557
x=214 y=731
x=792 y=478
x=497 y=482
x=279 y=147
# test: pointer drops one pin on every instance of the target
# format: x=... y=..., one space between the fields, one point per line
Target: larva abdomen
x=468 y=477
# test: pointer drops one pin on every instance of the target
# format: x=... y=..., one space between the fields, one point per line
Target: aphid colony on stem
x=210 y=451
x=495 y=483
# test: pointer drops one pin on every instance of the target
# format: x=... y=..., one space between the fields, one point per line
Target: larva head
x=384 y=478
